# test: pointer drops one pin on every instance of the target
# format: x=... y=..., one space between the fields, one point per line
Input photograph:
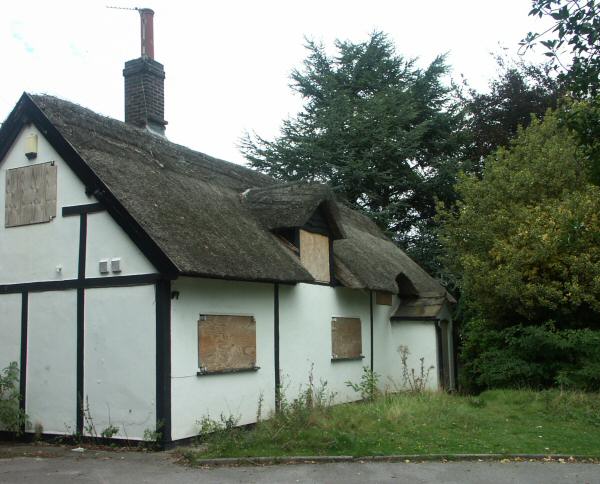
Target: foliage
x=519 y=91
x=498 y=421
x=367 y=387
x=411 y=381
x=153 y=437
x=109 y=432
x=381 y=131
x=583 y=119
x=523 y=242
x=530 y=356
x=286 y=426
x=576 y=29
x=12 y=417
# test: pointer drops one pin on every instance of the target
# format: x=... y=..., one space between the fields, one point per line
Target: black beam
x=371 y=316
x=23 y=362
x=80 y=351
x=163 y=360
x=276 y=346
x=81 y=209
x=89 y=283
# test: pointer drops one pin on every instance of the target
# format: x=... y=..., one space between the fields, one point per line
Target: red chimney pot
x=147 y=25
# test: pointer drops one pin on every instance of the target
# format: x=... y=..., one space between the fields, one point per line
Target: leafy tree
x=576 y=28
x=381 y=131
x=525 y=239
x=519 y=91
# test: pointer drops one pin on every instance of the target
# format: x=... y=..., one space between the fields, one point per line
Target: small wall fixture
x=115 y=265
x=103 y=266
x=31 y=146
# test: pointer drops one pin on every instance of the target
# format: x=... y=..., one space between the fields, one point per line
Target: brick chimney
x=145 y=82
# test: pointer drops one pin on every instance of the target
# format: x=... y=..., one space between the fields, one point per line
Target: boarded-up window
x=383 y=298
x=226 y=343
x=314 y=255
x=30 y=195
x=346 y=338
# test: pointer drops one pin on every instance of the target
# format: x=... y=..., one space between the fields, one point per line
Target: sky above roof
x=228 y=63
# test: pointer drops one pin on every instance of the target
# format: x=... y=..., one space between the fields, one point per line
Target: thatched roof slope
x=375 y=260
x=213 y=218
x=186 y=201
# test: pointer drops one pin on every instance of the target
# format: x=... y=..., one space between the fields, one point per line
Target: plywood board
x=314 y=255
x=30 y=195
x=226 y=342
x=346 y=338
x=383 y=298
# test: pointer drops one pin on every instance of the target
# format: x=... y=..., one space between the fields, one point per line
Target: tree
x=576 y=28
x=381 y=131
x=525 y=239
x=519 y=91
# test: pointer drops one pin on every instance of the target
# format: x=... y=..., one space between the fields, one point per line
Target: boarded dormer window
x=30 y=195
x=314 y=255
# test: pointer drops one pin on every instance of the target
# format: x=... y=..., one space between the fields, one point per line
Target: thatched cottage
x=145 y=285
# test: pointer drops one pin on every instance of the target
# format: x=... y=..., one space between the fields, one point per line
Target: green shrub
x=12 y=418
x=530 y=356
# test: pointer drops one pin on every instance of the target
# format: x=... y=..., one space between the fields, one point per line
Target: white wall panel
x=420 y=339
x=107 y=240
x=52 y=361
x=10 y=329
x=236 y=394
x=120 y=359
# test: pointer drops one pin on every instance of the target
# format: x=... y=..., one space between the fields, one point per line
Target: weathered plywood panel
x=226 y=342
x=314 y=255
x=30 y=195
x=346 y=338
x=383 y=298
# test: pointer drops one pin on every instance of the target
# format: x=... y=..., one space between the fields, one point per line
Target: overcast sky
x=228 y=62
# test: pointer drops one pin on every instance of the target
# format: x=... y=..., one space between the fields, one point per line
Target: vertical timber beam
x=163 y=361
x=23 y=362
x=371 y=316
x=81 y=323
x=276 y=346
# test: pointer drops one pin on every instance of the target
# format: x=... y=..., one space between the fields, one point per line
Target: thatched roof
x=214 y=218
x=418 y=308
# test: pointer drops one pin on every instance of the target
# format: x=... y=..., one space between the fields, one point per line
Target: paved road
x=131 y=467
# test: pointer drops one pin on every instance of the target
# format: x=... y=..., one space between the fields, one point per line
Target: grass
x=498 y=421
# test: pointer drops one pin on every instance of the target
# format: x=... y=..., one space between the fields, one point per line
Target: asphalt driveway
x=61 y=465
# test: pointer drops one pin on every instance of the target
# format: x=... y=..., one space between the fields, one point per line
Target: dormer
x=304 y=218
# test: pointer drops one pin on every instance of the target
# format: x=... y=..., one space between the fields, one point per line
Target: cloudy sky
x=228 y=62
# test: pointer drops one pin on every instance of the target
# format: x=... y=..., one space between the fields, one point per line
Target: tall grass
x=497 y=421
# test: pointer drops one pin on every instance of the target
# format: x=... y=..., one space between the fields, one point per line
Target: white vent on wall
x=115 y=265
x=103 y=266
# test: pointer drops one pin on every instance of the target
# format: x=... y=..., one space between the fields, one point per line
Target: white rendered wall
x=107 y=240
x=51 y=361
x=32 y=252
x=10 y=329
x=120 y=359
x=236 y=394
x=305 y=317
x=385 y=359
x=420 y=338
